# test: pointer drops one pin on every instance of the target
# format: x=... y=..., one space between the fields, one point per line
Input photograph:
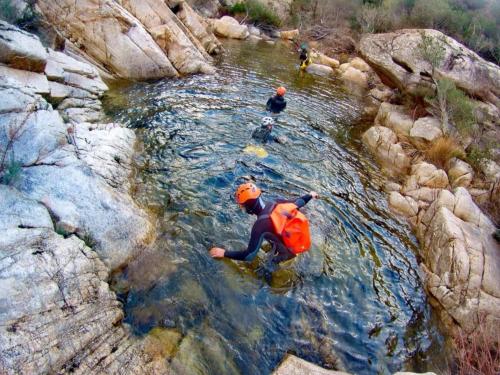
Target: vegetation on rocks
x=472 y=22
x=477 y=353
x=256 y=12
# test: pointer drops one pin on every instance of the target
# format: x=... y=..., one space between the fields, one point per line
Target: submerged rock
x=319 y=69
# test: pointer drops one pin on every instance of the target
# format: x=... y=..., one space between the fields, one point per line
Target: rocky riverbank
x=460 y=260
x=66 y=217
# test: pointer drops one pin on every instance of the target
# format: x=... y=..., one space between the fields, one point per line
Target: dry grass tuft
x=442 y=150
x=478 y=353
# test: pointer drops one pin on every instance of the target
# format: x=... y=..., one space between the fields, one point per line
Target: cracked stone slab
x=20 y=49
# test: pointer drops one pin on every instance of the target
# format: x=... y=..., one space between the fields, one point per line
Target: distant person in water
x=279 y=222
x=305 y=59
x=263 y=133
x=277 y=103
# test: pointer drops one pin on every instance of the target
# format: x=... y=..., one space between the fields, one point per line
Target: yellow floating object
x=256 y=150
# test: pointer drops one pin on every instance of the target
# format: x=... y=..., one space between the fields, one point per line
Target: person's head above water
x=281 y=91
x=267 y=122
x=249 y=196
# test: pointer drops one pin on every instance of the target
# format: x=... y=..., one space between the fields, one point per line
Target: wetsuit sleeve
x=256 y=238
x=302 y=201
x=299 y=202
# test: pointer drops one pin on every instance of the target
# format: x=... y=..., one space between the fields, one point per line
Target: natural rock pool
x=355 y=295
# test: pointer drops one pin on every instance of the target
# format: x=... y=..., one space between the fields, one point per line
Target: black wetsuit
x=263 y=229
x=263 y=134
x=276 y=104
x=303 y=55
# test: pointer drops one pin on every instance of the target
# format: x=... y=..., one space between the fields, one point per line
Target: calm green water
x=355 y=295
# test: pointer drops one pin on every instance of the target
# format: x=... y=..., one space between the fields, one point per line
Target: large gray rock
x=426 y=128
x=322 y=70
x=35 y=81
x=394 y=117
x=34 y=131
x=110 y=35
x=56 y=174
x=16 y=211
x=383 y=142
x=21 y=50
x=459 y=173
x=198 y=30
x=107 y=149
x=161 y=23
x=461 y=260
x=228 y=27
x=397 y=57
x=58 y=314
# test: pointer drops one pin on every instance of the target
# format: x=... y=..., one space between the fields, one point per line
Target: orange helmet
x=246 y=192
x=281 y=91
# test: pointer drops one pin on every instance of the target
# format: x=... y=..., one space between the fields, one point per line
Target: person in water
x=248 y=196
x=277 y=103
x=304 y=57
x=264 y=134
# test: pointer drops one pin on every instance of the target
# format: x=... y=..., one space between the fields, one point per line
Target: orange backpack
x=293 y=227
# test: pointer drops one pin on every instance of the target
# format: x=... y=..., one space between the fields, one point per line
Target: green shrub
x=256 y=12
x=238 y=8
x=461 y=110
x=431 y=50
x=452 y=105
x=476 y=154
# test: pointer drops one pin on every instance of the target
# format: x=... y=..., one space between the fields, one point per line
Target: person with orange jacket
x=277 y=103
x=248 y=196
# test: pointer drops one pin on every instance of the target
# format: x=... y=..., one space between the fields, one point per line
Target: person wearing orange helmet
x=249 y=196
x=277 y=103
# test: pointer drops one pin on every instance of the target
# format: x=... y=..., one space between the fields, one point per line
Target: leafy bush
x=476 y=154
x=238 y=8
x=452 y=106
x=472 y=22
x=461 y=110
x=442 y=150
x=431 y=50
x=256 y=12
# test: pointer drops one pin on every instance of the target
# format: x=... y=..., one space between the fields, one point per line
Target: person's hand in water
x=217 y=252
x=314 y=194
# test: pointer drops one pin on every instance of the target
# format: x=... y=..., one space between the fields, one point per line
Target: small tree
x=432 y=51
